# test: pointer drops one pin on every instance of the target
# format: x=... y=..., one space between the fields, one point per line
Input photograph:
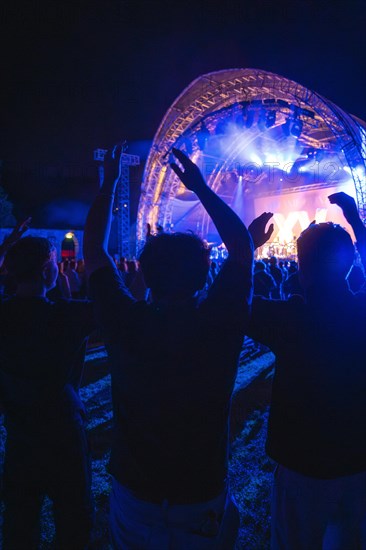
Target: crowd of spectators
x=286 y=282
x=161 y=318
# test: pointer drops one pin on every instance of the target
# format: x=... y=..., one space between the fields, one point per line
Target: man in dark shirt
x=173 y=364
x=316 y=429
x=42 y=347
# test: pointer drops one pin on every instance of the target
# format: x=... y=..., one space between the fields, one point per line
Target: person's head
x=174 y=265
x=259 y=265
x=32 y=260
x=325 y=254
x=292 y=268
x=273 y=261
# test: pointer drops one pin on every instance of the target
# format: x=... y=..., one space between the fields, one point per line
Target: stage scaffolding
x=121 y=207
x=211 y=97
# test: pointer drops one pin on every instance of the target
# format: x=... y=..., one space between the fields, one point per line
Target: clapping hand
x=191 y=177
x=257 y=229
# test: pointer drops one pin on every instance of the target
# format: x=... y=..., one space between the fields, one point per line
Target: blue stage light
x=221 y=127
x=296 y=128
x=249 y=119
x=202 y=136
x=271 y=119
x=262 y=120
x=188 y=146
x=286 y=127
x=239 y=121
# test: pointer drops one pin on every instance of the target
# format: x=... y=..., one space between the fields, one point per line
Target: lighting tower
x=122 y=201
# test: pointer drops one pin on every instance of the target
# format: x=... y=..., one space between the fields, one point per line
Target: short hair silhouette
x=175 y=263
x=26 y=258
x=325 y=249
x=259 y=265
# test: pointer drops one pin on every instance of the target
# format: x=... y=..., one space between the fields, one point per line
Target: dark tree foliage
x=6 y=210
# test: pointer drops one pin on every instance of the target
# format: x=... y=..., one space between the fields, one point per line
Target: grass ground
x=250 y=469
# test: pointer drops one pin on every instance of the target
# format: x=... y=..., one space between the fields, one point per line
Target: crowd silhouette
x=161 y=317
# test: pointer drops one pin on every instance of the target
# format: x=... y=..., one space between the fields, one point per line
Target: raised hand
x=98 y=223
x=191 y=177
x=257 y=229
x=111 y=168
x=348 y=205
x=14 y=236
x=17 y=232
x=350 y=212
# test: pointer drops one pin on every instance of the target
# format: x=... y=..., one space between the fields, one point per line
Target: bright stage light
x=282 y=137
x=360 y=171
x=271 y=159
x=256 y=159
x=69 y=235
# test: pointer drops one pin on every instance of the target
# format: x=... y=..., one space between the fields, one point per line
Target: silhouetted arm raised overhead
x=14 y=236
x=230 y=227
x=98 y=223
x=350 y=212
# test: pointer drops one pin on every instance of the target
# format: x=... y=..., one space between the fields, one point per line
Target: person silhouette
x=42 y=347
x=171 y=387
x=316 y=430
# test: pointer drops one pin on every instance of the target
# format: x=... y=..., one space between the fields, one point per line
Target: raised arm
x=350 y=212
x=230 y=227
x=257 y=229
x=14 y=236
x=98 y=222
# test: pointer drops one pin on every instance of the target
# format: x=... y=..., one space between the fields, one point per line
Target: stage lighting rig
x=270 y=119
x=249 y=118
x=286 y=127
x=239 y=121
x=296 y=128
x=221 y=127
x=187 y=143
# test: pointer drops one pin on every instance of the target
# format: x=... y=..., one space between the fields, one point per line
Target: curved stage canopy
x=263 y=142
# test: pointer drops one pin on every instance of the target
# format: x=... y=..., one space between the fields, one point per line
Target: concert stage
x=264 y=143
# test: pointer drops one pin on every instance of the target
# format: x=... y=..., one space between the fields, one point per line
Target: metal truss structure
x=122 y=205
x=212 y=97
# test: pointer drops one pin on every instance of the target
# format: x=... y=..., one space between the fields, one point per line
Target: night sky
x=75 y=77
